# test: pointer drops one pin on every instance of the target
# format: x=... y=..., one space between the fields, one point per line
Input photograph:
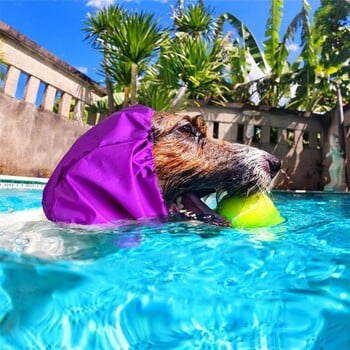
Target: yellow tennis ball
x=257 y=210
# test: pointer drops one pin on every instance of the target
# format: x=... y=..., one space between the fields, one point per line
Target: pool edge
x=22 y=182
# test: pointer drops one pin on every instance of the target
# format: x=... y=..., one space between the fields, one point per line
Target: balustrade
x=49 y=83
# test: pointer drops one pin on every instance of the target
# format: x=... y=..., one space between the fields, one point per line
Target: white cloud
x=292 y=47
x=100 y=3
x=83 y=70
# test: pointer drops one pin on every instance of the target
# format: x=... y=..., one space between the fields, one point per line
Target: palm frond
x=194 y=19
x=273 y=26
x=249 y=42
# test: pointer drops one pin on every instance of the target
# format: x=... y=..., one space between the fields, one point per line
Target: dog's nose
x=274 y=165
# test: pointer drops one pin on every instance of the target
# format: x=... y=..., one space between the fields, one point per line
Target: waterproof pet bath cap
x=108 y=174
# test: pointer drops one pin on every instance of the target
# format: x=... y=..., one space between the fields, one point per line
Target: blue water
x=14 y=200
x=178 y=285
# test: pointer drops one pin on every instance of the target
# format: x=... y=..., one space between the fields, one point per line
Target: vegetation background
x=206 y=58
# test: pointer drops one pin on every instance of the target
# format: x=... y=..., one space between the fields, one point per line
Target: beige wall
x=302 y=158
x=32 y=137
x=33 y=141
x=48 y=81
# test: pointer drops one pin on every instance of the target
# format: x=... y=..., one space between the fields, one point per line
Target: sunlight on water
x=178 y=285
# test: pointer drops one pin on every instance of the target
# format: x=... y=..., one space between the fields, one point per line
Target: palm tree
x=332 y=23
x=128 y=42
x=198 y=65
x=192 y=61
x=200 y=61
x=242 y=52
x=160 y=97
x=272 y=61
x=134 y=42
x=195 y=19
x=323 y=60
x=99 y=28
x=120 y=73
x=274 y=86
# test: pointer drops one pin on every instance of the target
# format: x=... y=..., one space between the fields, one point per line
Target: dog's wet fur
x=191 y=165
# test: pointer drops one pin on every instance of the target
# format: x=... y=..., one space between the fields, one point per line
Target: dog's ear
x=201 y=125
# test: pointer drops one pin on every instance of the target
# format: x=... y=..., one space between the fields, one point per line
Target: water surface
x=177 y=285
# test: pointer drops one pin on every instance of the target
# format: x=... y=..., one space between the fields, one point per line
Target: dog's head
x=191 y=165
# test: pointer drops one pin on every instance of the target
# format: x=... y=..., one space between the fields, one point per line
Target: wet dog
x=191 y=165
x=139 y=164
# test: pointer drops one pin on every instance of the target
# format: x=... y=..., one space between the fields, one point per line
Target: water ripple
x=180 y=285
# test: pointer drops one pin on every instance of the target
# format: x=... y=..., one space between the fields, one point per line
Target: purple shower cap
x=108 y=174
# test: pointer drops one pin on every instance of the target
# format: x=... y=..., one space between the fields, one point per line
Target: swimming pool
x=177 y=285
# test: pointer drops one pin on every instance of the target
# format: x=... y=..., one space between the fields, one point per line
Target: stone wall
x=33 y=140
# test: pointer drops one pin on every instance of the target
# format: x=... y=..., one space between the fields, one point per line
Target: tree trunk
x=178 y=99
x=126 y=96
x=134 y=74
x=109 y=87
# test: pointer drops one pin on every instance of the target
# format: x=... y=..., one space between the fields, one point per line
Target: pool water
x=177 y=285
x=19 y=199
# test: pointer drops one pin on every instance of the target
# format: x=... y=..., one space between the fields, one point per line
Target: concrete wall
x=37 y=128
x=32 y=140
x=297 y=140
x=44 y=80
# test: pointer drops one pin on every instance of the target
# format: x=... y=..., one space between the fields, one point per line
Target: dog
x=184 y=166
x=191 y=165
x=139 y=163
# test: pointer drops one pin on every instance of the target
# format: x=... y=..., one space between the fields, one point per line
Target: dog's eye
x=189 y=131
x=186 y=130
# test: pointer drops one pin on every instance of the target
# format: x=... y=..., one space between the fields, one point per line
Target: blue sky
x=57 y=24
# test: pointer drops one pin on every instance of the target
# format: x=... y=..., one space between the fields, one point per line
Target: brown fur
x=189 y=161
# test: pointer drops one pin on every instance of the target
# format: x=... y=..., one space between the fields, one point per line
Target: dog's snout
x=274 y=165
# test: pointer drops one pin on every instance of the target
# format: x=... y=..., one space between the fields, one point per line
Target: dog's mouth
x=191 y=206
